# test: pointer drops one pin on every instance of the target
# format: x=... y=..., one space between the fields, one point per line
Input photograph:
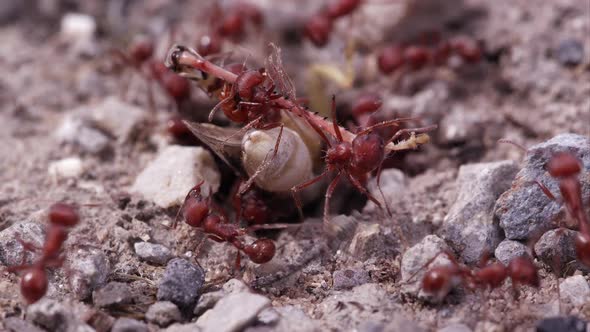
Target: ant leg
x=302 y=186
x=334 y=120
x=265 y=163
x=363 y=190
x=546 y=191
x=505 y=140
x=218 y=106
x=244 y=129
x=329 y=193
x=383 y=124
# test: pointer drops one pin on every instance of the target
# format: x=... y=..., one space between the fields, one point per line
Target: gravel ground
x=79 y=127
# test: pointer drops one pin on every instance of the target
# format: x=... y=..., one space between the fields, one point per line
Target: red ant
x=439 y=280
x=353 y=160
x=34 y=282
x=204 y=214
x=565 y=167
x=395 y=57
x=140 y=57
x=319 y=27
x=229 y=23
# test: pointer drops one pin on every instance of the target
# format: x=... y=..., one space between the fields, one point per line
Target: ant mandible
x=439 y=280
x=202 y=213
x=34 y=282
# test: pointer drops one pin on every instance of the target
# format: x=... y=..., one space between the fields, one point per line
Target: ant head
x=522 y=270
x=63 y=214
x=33 y=284
x=390 y=59
x=582 y=242
x=318 y=29
x=195 y=210
x=563 y=164
x=209 y=44
x=368 y=152
x=261 y=251
x=141 y=50
x=439 y=280
x=366 y=104
x=339 y=154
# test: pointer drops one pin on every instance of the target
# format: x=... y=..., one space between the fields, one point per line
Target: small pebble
x=15 y=324
x=112 y=294
x=562 y=324
x=76 y=27
x=66 y=168
x=163 y=313
x=50 y=315
x=89 y=269
x=153 y=252
x=349 y=278
x=176 y=169
x=570 y=52
x=181 y=283
x=575 y=290
x=124 y=324
x=236 y=311
x=11 y=250
x=509 y=249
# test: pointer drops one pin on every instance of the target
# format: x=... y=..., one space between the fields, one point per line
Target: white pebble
x=66 y=168
x=77 y=27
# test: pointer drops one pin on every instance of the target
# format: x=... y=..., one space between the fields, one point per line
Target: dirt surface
x=520 y=91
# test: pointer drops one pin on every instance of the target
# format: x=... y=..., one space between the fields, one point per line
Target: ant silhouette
x=62 y=217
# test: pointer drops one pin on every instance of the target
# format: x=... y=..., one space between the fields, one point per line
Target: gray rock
x=163 y=313
x=268 y=316
x=50 y=315
x=575 y=290
x=15 y=324
x=456 y=327
x=349 y=278
x=11 y=250
x=509 y=249
x=117 y=117
x=393 y=182
x=169 y=177
x=373 y=240
x=181 y=283
x=563 y=323
x=11 y=10
x=524 y=211
x=469 y=225
x=416 y=261
x=112 y=294
x=461 y=126
x=236 y=311
x=124 y=324
x=208 y=300
x=570 y=52
x=75 y=131
x=293 y=316
x=89 y=269
x=192 y=327
x=153 y=252
x=556 y=249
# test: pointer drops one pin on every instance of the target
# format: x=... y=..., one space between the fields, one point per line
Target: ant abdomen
x=261 y=251
x=33 y=284
x=318 y=30
x=367 y=152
